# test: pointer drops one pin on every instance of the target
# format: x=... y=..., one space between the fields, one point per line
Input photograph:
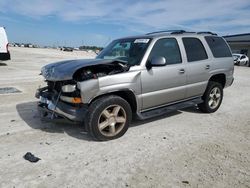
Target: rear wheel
x=212 y=98
x=108 y=118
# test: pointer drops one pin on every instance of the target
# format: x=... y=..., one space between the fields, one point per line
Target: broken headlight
x=68 y=88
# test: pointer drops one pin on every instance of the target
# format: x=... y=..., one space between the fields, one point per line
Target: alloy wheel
x=214 y=98
x=112 y=120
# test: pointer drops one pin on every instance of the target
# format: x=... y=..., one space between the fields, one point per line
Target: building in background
x=239 y=43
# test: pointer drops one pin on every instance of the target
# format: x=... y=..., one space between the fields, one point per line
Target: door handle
x=207 y=66
x=182 y=71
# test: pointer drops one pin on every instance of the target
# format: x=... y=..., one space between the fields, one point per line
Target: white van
x=4 y=51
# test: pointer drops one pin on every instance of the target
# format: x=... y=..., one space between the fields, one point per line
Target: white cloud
x=216 y=15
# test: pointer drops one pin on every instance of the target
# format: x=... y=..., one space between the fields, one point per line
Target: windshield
x=130 y=51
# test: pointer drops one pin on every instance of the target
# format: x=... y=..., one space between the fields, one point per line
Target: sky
x=97 y=22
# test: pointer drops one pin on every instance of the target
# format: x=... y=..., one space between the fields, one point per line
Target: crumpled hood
x=64 y=70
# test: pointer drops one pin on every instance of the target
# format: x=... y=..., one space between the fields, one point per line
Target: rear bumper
x=229 y=81
x=51 y=109
x=4 y=56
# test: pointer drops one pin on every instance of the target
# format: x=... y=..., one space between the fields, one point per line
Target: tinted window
x=218 y=46
x=167 y=48
x=194 y=49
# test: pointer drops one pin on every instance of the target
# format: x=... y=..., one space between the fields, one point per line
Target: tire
x=108 y=118
x=214 y=89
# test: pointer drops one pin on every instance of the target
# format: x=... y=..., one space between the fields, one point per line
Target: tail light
x=7 y=47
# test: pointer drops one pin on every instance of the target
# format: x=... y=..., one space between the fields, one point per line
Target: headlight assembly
x=68 y=88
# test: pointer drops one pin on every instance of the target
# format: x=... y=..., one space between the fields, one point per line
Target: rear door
x=198 y=66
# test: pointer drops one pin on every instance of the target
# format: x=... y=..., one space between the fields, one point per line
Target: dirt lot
x=183 y=149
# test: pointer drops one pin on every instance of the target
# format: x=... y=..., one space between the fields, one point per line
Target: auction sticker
x=141 y=41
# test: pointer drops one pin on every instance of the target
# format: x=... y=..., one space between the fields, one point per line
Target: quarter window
x=167 y=48
x=194 y=49
x=218 y=46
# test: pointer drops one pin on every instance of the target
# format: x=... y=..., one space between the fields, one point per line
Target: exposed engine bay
x=96 y=71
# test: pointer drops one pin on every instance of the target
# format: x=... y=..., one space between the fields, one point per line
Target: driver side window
x=167 y=48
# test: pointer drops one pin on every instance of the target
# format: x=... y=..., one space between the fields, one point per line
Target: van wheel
x=108 y=118
x=212 y=97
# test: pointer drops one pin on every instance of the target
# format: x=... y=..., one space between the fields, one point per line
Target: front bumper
x=51 y=108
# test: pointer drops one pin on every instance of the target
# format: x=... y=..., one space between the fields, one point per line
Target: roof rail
x=206 y=32
x=167 y=31
x=181 y=32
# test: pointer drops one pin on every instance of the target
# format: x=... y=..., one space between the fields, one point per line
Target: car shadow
x=29 y=113
x=3 y=64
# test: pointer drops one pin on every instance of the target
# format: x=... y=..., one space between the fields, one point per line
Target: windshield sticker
x=141 y=41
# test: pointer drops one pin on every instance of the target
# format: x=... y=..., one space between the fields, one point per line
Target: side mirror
x=156 y=62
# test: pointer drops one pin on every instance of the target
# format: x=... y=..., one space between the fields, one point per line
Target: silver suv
x=144 y=76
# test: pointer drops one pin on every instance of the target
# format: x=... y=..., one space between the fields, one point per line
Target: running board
x=167 y=109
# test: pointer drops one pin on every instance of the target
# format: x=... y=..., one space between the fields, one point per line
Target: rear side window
x=194 y=49
x=218 y=46
x=168 y=48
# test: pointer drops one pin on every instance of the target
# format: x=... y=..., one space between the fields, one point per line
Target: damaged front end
x=62 y=98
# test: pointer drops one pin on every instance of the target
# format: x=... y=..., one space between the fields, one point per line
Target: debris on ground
x=185 y=182
x=12 y=120
x=31 y=158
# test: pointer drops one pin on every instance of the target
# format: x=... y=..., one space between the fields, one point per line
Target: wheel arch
x=219 y=78
x=126 y=94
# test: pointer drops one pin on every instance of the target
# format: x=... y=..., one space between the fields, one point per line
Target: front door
x=164 y=84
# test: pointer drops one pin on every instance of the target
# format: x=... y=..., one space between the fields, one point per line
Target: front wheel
x=108 y=118
x=212 y=97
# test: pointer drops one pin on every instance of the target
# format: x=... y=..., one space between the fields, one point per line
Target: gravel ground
x=182 y=149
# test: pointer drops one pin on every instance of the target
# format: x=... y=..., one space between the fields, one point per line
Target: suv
x=144 y=76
